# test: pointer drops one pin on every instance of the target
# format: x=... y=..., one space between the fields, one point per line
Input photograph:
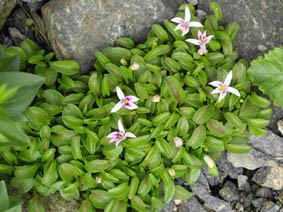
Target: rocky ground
x=72 y=28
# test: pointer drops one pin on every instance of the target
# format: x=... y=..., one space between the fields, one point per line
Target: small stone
x=280 y=126
x=177 y=201
x=229 y=192
x=34 y=6
x=6 y=6
x=16 y=36
x=193 y=2
x=201 y=14
x=5 y=41
x=212 y=180
x=226 y=168
x=264 y=192
x=242 y=182
x=169 y=207
x=257 y=203
x=269 y=206
x=281 y=210
x=270 y=177
x=248 y=200
x=193 y=205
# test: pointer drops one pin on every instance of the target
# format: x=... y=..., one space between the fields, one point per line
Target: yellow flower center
x=202 y=39
x=119 y=136
x=126 y=101
x=222 y=88
x=185 y=25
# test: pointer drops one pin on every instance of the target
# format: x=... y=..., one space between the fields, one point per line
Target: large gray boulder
x=6 y=6
x=260 y=21
x=78 y=28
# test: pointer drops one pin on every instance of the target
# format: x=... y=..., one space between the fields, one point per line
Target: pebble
x=257 y=203
x=243 y=182
x=16 y=36
x=193 y=205
x=264 y=192
x=229 y=192
x=269 y=206
x=193 y=2
x=201 y=14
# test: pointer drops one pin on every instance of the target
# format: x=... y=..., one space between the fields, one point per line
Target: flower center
x=126 y=101
x=222 y=88
x=185 y=24
x=120 y=136
x=202 y=39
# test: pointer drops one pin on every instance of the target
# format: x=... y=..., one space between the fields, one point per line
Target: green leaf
x=267 y=74
x=34 y=204
x=17 y=208
x=182 y=193
x=28 y=86
x=99 y=198
x=66 y=67
x=9 y=64
x=4 y=198
x=175 y=89
x=22 y=185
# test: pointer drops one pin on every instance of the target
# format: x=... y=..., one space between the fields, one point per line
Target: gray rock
x=169 y=207
x=270 y=177
x=201 y=14
x=34 y=6
x=78 y=28
x=277 y=114
x=280 y=126
x=16 y=36
x=248 y=200
x=269 y=206
x=229 y=192
x=212 y=180
x=225 y=168
x=193 y=2
x=193 y=205
x=257 y=203
x=6 y=6
x=243 y=184
x=260 y=24
x=5 y=41
x=264 y=192
x=201 y=183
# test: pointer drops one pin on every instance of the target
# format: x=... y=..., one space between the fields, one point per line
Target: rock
x=16 y=36
x=6 y=6
x=76 y=32
x=193 y=205
x=243 y=183
x=229 y=192
x=169 y=207
x=193 y=2
x=56 y=203
x=248 y=200
x=257 y=203
x=257 y=31
x=277 y=114
x=264 y=192
x=212 y=180
x=270 y=177
x=201 y=14
x=5 y=41
x=225 y=168
x=269 y=206
x=34 y=6
x=280 y=126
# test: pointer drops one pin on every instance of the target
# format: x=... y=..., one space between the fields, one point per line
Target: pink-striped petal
x=222 y=96
x=208 y=38
x=195 y=24
x=203 y=48
x=117 y=107
x=120 y=93
x=199 y=35
x=194 y=41
x=228 y=78
x=130 y=135
x=112 y=140
x=113 y=135
x=177 y=20
x=216 y=90
x=120 y=126
x=187 y=14
x=204 y=35
x=130 y=106
x=234 y=91
x=179 y=26
x=185 y=31
x=132 y=98
x=216 y=83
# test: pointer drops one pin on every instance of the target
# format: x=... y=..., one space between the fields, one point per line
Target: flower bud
x=98 y=180
x=200 y=52
x=135 y=66
x=209 y=161
x=172 y=172
x=156 y=98
x=123 y=62
x=178 y=142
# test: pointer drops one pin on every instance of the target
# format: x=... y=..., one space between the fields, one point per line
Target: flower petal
x=132 y=98
x=112 y=140
x=120 y=126
x=185 y=31
x=203 y=48
x=204 y=35
x=234 y=91
x=194 y=41
x=216 y=83
x=228 y=78
x=130 y=135
x=118 y=142
x=177 y=20
x=117 y=107
x=179 y=26
x=120 y=93
x=187 y=14
x=221 y=96
x=208 y=38
x=199 y=35
x=130 y=106
x=113 y=135
x=216 y=90
x=195 y=24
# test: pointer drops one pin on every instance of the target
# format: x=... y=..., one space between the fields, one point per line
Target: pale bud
x=123 y=61
x=98 y=180
x=209 y=161
x=177 y=201
x=200 y=52
x=135 y=66
x=156 y=98
x=172 y=172
x=178 y=142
